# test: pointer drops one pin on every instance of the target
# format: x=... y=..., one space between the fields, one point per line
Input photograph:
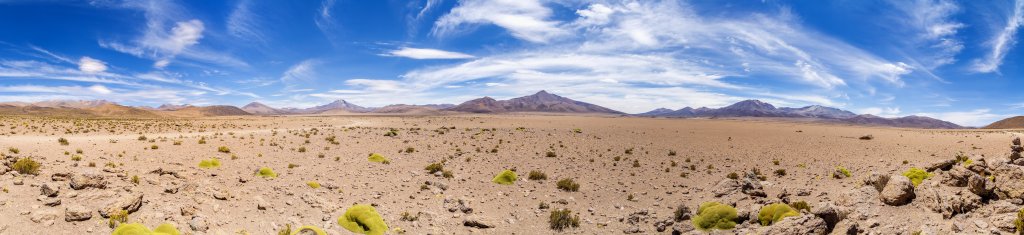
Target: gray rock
x=477 y=222
x=898 y=191
x=877 y=180
x=941 y=165
x=130 y=202
x=83 y=181
x=454 y=205
x=830 y=213
x=199 y=224
x=804 y=224
x=977 y=185
x=632 y=230
x=45 y=217
x=1009 y=181
x=663 y=225
x=726 y=187
x=221 y=194
x=77 y=213
x=48 y=190
x=751 y=185
x=958 y=176
x=946 y=201
x=51 y=201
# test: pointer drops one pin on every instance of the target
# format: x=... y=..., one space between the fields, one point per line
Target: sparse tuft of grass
x=63 y=141
x=550 y=154
x=434 y=167
x=568 y=185
x=732 y=175
x=26 y=166
x=537 y=175
x=223 y=149
x=562 y=219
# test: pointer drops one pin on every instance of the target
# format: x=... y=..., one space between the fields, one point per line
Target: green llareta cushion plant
x=773 y=213
x=378 y=158
x=313 y=184
x=266 y=172
x=506 y=177
x=713 y=215
x=209 y=164
x=917 y=175
x=304 y=230
x=139 y=229
x=843 y=170
x=363 y=219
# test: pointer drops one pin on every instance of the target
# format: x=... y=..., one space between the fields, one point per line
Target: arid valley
x=633 y=174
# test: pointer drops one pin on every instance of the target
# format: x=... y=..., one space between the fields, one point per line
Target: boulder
x=946 y=201
x=477 y=222
x=1009 y=181
x=130 y=202
x=979 y=185
x=804 y=224
x=830 y=213
x=941 y=165
x=898 y=191
x=77 y=213
x=877 y=180
x=49 y=190
x=83 y=181
x=45 y=217
x=751 y=185
x=957 y=176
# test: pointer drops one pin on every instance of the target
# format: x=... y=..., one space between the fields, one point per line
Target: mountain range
x=540 y=102
x=757 y=108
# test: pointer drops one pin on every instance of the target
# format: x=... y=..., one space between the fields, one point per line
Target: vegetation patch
x=506 y=177
x=537 y=175
x=374 y=157
x=266 y=172
x=563 y=219
x=917 y=175
x=140 y=229
x=209 y=163
x=26 y=166
x=568 y=185
x=773 y=213
x=363 y=219
x=714 y=215
x=313 y=184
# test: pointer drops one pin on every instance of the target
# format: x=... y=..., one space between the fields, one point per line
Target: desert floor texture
x=633 y=174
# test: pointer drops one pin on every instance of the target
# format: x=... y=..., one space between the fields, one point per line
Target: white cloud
x=1002 y=41
x=935 y=42
x=426 y=53
x=244 y=24
x=888 y=112
x=100 y=89
x=300 y=72
x=973 y=118
x=524 y=19
x=324 y=20
x=90 y=65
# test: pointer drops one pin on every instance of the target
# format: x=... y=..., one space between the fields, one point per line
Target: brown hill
x=114 y=110
x=411 y=109
x=1008 y=123
x=540 y=102
x=207 y=111
x=6 y=109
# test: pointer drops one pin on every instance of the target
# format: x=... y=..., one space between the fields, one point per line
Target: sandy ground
x=232 y=200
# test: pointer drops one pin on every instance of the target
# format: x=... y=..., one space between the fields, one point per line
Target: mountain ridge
x=757 y=108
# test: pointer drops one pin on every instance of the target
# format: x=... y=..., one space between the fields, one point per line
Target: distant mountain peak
x=757 y=108
x=542 y=101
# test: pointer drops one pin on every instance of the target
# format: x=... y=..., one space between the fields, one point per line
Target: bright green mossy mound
x=378 y=158
x=306 y=229
x=139 y=229
x=713 y=215
x=266 y=172
x=773 y=213
x=506 y=177
x=208 y=164
x=363 y=219
x=917 y=175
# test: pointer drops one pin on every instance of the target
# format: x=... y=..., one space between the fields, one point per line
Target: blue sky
x=953 y=60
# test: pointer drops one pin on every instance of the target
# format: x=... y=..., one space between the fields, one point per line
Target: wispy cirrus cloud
x=1002 y=41
x=302 y=71
x=524 y=19
x=426 y=53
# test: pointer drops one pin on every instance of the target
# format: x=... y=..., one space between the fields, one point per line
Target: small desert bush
x=223 y=149
x=537 y=175
x=154 y=147
x=26 y=166
x=506 y=177
x=434 y=167
x=1019 y=221
x=209 y=163
x=118 y=217
x=363 y=219
x=378 y=158
x=301 y=149
x=843 y=171
x=266 y=172
x=867 y=137
x=313 y=184
x=137 y=228
x=563 y=219
x=713 y=215
x=773 y=213
x=917 y=175
x=135 y=179
x=550 y=154
x=76 y=157
x=447 y=174
x=391 y=133
x=800 y=206
x=780 y=172
x=568 y=185
x=406 y=216
x=13 y=150
x=63 y=141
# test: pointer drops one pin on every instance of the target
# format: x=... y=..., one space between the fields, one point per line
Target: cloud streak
x=1002 y=42
x=426 y=53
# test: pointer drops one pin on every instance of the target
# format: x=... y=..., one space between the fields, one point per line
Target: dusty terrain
x=629 y=180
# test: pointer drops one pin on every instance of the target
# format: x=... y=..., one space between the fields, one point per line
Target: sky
x=952 y=60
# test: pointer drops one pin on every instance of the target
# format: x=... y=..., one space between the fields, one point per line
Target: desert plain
x=633 y=174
